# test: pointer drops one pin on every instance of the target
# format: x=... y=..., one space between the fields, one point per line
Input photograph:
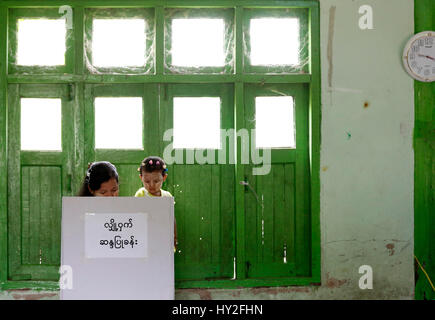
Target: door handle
x=246 y=183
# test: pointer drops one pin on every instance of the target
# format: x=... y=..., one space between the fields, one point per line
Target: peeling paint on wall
x=390 y=247
x=335 y=283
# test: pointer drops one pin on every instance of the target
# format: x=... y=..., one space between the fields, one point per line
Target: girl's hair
x=151 y=164
x=97 y=173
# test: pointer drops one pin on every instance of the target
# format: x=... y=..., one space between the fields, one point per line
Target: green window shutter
x=229 y=234
x=36 y=182
x=15 y=15
x=204 y=195
x=277 y=208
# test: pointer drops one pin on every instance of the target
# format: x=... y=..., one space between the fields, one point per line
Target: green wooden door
x=37 y=180
x=126 y=158
x=277 y=204
x=215 y=214
x=204 y=193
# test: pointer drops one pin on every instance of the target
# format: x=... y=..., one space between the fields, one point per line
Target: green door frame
x=216 y=228
x=285 y=195
x=24 y=167
x=3 y=148
x=424 y=167
x=80 y=78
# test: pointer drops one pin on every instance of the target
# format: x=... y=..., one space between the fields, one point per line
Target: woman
x=101 y=181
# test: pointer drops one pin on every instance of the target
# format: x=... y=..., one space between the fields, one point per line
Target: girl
x=153 y=173
x=101 y=181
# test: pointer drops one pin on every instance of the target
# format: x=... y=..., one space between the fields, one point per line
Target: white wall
x=367 y=159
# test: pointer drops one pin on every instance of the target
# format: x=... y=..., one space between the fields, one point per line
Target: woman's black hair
x=153 y=163
x=97 y=173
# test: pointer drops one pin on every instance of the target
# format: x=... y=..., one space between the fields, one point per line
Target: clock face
x=419 y=56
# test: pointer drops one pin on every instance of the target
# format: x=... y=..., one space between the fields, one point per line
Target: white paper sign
x=116 y=235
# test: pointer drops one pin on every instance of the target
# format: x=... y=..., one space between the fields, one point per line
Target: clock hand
x=429 y=57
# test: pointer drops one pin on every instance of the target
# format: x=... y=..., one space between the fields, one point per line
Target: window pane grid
x=209 y=47
x=199 y=41
x=276 y=41
x=119 y=41
x=195 y=125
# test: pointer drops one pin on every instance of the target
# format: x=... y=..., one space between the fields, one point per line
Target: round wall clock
x=419 y=56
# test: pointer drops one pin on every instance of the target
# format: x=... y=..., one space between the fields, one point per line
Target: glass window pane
x=118 y=123
x=198 y=42
x=274 y=119
x=118 y=42
x=197 y=122
x=274 y=41
x=41 y=42
x=41 y=124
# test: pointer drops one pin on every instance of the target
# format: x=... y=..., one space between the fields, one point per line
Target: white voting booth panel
x=117 y=248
